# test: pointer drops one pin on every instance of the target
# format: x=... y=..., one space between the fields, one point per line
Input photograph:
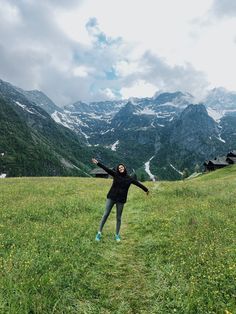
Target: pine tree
x=185 y=173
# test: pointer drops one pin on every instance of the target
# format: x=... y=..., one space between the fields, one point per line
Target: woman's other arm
x=108 y=170
x=141 y=186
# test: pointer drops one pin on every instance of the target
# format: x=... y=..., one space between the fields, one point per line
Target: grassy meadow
x=177 y=254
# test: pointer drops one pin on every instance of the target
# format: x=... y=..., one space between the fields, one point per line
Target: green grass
x=177 y=255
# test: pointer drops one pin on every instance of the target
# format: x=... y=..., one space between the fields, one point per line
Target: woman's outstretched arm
x=108 y=170
x=141 y=186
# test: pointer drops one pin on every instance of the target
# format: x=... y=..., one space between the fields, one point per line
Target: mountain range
x=157 y=137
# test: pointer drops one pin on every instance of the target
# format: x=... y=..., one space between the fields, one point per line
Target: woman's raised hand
x=94 y=161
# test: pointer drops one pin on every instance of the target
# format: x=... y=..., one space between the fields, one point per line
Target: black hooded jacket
x=121 y=183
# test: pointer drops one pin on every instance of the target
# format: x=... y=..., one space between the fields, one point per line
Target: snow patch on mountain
x=61 y=119
x=85 y=135
x=147 y=169
x=96 y=117
x=68 y=120
x=170 y=104
x=215 y=114
x=176 y=169
x=220 y=139
x=55 y=117
x=114 y=146
x=146 y=111
x=162 y=115
x=109 y=130
x=24 y=107
x=30 y=110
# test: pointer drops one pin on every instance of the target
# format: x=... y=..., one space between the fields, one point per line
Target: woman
x=117 y=195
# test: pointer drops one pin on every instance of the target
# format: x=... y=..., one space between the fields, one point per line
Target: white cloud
x=82 y=71
x=124 y=68
x=107 y=93
x=9 y=13
x=223 y=8
x=140 y=89
x=157 y=73
x=73 y=51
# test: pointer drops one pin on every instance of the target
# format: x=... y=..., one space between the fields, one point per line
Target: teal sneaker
x=118 y=239
x=98 y=236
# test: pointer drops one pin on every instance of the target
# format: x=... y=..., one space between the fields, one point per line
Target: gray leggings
x=119 y=208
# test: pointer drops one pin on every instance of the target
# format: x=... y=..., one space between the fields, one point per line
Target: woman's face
x=121 y=168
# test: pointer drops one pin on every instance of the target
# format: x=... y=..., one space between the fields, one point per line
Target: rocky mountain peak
x=167 y=97
x=196 y=117
x=41 y=100
x=78 y=106
x=220 y=98
x=193 y=125
x=193 y=110
x=127 y=110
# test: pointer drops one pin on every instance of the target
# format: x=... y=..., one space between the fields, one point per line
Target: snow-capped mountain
x=100 y=118
x=220 y=98
x=220 y=103
x=166 y=129
x=158 y=136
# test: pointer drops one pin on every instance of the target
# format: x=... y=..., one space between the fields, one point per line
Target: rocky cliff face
x=193 y=137
x=193 y=130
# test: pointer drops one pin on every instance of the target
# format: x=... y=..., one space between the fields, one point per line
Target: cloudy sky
x=111 y=49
